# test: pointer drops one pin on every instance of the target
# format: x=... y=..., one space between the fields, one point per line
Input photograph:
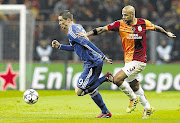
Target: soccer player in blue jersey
x=92 y=59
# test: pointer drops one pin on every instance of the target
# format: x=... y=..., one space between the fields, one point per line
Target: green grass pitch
x=65 y=106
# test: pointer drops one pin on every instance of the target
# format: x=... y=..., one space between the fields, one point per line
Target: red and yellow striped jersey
x=133 y=38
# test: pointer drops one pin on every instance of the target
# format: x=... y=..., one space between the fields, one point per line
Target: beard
x=128 y=22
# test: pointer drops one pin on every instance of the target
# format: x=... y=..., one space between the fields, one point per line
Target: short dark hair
x=66 y=14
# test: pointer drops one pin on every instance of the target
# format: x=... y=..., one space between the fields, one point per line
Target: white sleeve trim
x=95 y=51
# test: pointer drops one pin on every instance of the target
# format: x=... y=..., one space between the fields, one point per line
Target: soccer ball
x=30 y=96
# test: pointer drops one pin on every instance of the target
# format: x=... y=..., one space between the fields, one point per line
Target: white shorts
x=132 y=69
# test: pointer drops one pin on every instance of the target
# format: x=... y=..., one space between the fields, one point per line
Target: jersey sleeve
x=66 y=47
x=113 y=26
x=85 y=42
x=149 y=25
x=94 y=49
x=89 y=45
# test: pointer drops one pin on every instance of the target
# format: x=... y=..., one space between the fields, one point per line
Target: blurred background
x=91 y=14
x=43 y=27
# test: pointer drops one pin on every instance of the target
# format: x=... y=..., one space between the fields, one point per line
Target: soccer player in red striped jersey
x=132 y=31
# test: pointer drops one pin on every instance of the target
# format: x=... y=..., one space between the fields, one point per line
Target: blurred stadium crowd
x=93 y=13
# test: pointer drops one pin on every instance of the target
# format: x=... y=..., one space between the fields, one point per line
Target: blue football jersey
x=89 y=54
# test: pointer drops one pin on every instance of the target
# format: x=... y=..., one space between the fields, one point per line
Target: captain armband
x=95 y=31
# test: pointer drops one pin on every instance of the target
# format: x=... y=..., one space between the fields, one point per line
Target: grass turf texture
x=65 y=106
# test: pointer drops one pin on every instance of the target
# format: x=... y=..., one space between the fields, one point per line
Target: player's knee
x=79 y=92
x=119 y=78
x=118 y=81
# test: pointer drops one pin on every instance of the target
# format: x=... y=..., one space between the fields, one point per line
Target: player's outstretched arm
x=95 y=31
x=160 y=29
x=57 y=45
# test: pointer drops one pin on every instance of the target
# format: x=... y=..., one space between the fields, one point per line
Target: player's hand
x=170 y=34
x=80 y=34
x=108 y=60
x=55 y=43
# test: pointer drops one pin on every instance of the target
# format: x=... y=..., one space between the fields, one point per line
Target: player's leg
x=108 y=77
x=87 y=78
x=119 y=80
x=140 y=92
x=79 y=91
x=95 y=95
x=127 y=74
x=148 y=109
x=97 y=98
x=83 y=81
x=123 y=85
x=95 y=81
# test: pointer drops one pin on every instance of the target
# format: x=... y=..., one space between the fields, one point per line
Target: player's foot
x=132 y=105
x=108 y=115
x=109 y=77
x=147 y=113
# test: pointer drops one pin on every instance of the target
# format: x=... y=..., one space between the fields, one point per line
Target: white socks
x=127 y=90
x=143 y=100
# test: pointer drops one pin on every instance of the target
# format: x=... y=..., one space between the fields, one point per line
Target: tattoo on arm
x=99 y=31
x=90 y=33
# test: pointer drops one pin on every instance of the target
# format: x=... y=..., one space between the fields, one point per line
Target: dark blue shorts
x=89 y=76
